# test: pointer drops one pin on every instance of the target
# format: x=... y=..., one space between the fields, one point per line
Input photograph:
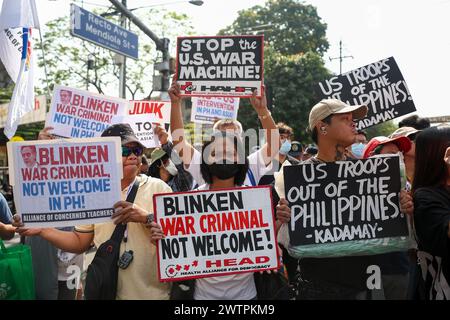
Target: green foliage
x=289 y=26
x=382 y=129
x=293 y=66
x=6 y=93
x=291 y=80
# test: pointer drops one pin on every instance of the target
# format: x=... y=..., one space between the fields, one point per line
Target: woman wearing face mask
x=224 y=166
x=162 y=167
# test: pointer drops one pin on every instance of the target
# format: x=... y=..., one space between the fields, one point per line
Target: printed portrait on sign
x=29 y=155
x=65 y=96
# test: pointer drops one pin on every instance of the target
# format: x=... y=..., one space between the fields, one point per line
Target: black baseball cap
x=296 y=149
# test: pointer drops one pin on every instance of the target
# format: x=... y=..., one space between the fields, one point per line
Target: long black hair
x=239 y=178
x=430 y=167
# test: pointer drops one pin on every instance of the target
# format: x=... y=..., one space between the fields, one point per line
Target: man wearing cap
x=333 y=129
x=140 y=279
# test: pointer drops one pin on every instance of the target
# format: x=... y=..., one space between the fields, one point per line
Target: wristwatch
x=150 y=218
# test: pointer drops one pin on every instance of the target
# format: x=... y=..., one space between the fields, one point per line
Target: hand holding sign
x=283 y=211
x=44 y=134
x=162 y=135
x=406 y=203
x=156 y=232
x=174 y=91
x=259 y=103
x=27 y=232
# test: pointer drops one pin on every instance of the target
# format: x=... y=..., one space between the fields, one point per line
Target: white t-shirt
x=239 y=286
x=233 y=287
x=255 y=160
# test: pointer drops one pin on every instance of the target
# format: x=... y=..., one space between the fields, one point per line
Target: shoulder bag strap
x=119 y=231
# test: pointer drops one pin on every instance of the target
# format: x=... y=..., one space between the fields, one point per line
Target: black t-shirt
x=431 y=220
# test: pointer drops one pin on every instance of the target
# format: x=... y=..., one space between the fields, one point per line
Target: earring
x=324 y=130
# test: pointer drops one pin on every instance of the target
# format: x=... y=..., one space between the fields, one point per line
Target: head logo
x=188 y=87
x=171 y=271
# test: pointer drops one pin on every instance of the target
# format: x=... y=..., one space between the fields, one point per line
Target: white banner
x=210 y=109
x=211 y=233
x=144 y=116
x=59 y=183
x=78 y=113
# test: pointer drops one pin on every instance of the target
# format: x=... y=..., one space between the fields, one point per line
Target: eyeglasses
x=126 y=151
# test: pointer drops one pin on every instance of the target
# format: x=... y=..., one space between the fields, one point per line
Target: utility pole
x=123 y=65
x=162 y=44
x=341 y=58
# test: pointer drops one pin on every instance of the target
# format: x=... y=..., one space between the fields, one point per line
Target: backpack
x=102 y=273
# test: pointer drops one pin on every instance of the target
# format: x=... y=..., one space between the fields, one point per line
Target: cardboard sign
x=154 y=111
x=379 y=85
x=229 y=66
x=344 y=201
x=209 y=109
x=211 y=233
x=144 y=116
x=60 y=183
x=77 y=113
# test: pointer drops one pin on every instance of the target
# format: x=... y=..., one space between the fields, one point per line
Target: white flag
x=19 y=14
x=11 y=50
x=16 y=52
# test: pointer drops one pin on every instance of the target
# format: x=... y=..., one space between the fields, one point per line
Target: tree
x=66 y=56
x=289 y=27
x=291 y=85
x=382 y=129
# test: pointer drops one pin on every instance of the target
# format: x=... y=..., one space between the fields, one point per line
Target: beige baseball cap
x=328 y=107
x=403 y=132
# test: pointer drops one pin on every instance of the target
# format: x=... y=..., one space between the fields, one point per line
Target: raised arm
x=184 y=148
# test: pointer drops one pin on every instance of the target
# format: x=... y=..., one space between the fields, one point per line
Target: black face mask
x=224 y=171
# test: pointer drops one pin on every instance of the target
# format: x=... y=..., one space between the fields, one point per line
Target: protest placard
x=220 y=66
x=211 y=233
x=59 y=183
x=77 y=113
x=344 y=201
x=144 y=116
x=379 y=85
x=210 y=109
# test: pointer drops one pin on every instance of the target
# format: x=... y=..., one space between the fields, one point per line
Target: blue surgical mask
x=285 y=147
x=358 y=149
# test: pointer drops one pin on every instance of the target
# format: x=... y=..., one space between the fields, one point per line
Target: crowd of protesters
x=422 y=272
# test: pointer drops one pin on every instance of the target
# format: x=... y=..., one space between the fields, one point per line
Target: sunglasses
x=126 y=151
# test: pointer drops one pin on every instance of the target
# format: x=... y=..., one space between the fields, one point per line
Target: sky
x=414 y=32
